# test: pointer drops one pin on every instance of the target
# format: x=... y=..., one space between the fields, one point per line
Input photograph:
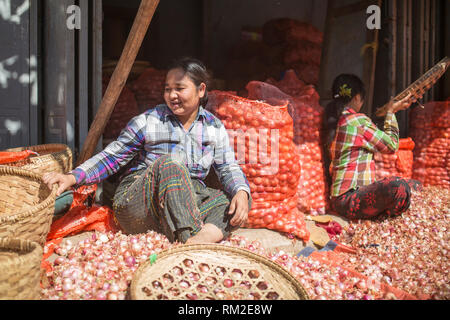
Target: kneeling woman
x=172 y=149
x=355 y=193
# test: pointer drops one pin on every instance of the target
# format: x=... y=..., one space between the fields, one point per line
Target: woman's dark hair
x=196 y=71
x=345 y=88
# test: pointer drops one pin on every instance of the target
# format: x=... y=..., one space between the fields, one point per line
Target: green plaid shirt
x=357 y=139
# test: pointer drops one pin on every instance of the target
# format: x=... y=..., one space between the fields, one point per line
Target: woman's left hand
x=239 y=207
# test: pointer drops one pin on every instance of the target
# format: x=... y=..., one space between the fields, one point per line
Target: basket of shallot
x=213 y=272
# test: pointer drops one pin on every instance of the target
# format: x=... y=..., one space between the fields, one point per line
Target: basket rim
x=42 y=147
x=215 y=248
x=5 y=170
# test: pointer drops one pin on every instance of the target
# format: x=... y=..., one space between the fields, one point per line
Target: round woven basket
x=52 y=158
x=213 y=272
x=26 y=205
x=20 y=265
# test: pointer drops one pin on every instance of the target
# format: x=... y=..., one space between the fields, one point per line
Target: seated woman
x=172 y=148
x=355 y=193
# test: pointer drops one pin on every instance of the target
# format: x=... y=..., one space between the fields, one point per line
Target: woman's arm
x=232 y=178
x=107 y=162
x=383 y=141
x=386 y=140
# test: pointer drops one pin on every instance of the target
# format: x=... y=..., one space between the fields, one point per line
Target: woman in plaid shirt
x=355 y=193
x=171 y=149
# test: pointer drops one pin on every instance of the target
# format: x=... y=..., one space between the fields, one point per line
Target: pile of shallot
x=410 y=252
x=100 y=267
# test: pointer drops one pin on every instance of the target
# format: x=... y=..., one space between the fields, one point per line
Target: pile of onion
x=100 y=267
x=410 y=252
x=320 y=280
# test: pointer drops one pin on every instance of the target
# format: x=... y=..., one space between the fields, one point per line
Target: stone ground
x=270 y=240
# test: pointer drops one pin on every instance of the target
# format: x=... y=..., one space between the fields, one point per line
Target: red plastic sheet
x=78 y=219
x=81 y=219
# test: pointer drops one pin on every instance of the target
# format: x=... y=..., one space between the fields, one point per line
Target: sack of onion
x=261 y=135
x=149 y=89
x=399 y=164
x=125 y=109
x=307 y=115
x=430 y=130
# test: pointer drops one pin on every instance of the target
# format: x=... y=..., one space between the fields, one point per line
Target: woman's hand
x=396 y=106
x=239 y=207
x=64 y=181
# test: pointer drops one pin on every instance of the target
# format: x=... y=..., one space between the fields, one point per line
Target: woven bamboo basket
x=52 y=158
x=20 y=265
x=213 y=272
x=26 y=205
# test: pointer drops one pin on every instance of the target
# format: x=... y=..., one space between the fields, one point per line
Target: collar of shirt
x=349 y=109
x=166 y=112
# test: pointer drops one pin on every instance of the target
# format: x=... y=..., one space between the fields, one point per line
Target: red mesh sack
x=125 y=109
x=399 y=164
x=303 y=51
x=290 y=84
x=430 y=129
x=308 y=73
x=285 y=30
x=149 y=89
x=261 y=135
x=308 y=120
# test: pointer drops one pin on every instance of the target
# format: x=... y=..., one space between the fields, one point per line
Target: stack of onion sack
x=430 y=129
x=126 y=108
x=308 y=121
x=268 y=159
x=149 y=89
x=399 y=164
x=302 y=44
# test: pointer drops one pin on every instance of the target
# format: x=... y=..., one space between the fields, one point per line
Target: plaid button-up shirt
x=158 y=132
x=357 y=139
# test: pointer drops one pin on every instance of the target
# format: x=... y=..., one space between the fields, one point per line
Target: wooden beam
x=138 y=31
x=393 y=57
x=373 y=67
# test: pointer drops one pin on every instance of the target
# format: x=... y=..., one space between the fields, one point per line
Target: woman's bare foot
x=209 y=234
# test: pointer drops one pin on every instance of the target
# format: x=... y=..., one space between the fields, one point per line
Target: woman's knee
x=400 y=188
x=169 y=163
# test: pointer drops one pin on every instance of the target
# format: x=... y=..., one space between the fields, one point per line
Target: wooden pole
x=373 y=66
x=138 y=31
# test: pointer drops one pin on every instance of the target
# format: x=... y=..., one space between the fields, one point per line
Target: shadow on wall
x=18 y=74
